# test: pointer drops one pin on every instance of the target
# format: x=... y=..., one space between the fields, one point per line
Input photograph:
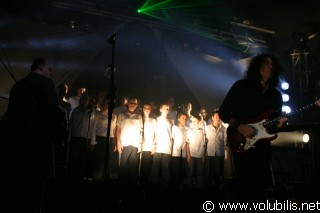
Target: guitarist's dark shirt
x=246 y=102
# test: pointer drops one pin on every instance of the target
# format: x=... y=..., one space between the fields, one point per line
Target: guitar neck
x=274 y=121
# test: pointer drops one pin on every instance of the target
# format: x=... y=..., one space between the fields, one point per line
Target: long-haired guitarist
x=249 y=101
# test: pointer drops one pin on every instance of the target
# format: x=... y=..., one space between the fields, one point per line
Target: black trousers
x=128 y=168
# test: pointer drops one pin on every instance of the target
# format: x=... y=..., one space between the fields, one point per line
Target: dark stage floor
x=113 y=196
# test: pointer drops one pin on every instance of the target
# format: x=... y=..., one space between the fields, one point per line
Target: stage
x=90 y=196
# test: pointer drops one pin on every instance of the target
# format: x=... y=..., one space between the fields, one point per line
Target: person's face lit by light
x=188 y=107
x=203 y=113
x=195 y=123
x=182 y=120
x=215 y=118
x=266 y=69
x=146 y=110
x=132 y=105
x=164 y=110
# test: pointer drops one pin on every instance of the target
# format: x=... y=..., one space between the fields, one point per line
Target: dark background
x=190 y=50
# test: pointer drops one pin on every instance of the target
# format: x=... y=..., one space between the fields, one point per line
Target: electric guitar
x=241 y=144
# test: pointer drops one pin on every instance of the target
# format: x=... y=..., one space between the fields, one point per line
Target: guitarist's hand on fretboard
x=282 y=121
x=246 y=130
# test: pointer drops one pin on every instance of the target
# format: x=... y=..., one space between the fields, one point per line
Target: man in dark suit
x=32 y=124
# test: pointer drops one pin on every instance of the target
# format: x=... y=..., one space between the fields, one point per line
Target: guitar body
x=241 y=144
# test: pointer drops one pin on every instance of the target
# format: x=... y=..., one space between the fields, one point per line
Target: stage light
x=291 y=138
x=305 y=138
x=285 y=97
x=284 y=85
x=286 y=109
x=72 y=24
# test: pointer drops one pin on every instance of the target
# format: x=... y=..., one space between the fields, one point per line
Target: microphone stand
x=205 y=154
x=204 y=135
x=5 y=98
x=111 y=97
x=141 y=141
x=7 y=68
x=88 y=137
x=180 y=167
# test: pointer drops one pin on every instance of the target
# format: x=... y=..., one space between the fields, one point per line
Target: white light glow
x=291 y=138
x=305 y=138
x=286 y=109
x=285 y=97
x=284 y=86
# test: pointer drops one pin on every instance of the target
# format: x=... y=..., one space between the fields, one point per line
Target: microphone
x=108 y=71
x=112 y=39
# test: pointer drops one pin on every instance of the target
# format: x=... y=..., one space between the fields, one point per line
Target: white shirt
x=163 y=136
x=82 y=123
x=216 y=140
x=131 y=126
x=101 y=127
x=195 y=138
x=74 y=102
x=149 y=133
x=179 y=135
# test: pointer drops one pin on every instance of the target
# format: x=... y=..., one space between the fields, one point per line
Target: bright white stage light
x=285 y=97
x=286 y=109
x=284 y=86
x=305 y=138
x=291 y=138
